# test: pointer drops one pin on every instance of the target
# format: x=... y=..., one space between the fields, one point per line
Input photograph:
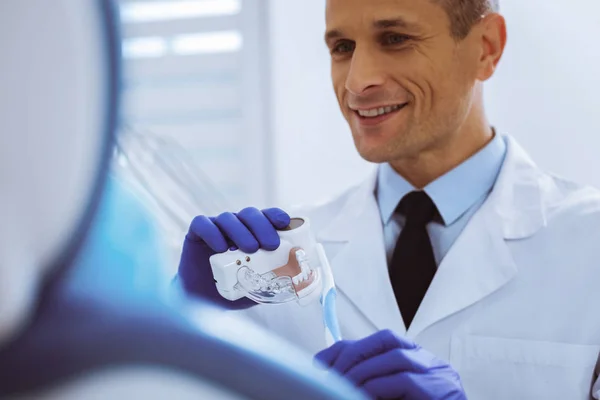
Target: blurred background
x=228 y=103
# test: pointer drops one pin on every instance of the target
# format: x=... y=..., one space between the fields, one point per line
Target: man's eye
x=394 y=38
x=343 y=47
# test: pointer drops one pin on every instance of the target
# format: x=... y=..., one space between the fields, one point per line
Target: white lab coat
x=514 y=304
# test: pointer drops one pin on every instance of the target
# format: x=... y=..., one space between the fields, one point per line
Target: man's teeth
x=375 y=112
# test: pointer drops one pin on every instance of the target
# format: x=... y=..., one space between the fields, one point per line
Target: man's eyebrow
x=394 y=23
x=379 y=24
x=333 y=34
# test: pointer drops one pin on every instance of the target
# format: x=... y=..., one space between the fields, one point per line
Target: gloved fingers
x=202 y=229
x=391 y=362
x=261 y=227
x=234 y=229
x=405 y=343
x=279 y=218
x=409 y=385
x=230 y=244
x=330 y=354
x=402 y=385
x=371 y=346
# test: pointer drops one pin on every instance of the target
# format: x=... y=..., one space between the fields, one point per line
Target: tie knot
x=418 y=208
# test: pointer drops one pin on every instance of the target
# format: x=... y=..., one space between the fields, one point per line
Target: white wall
x=546 y=90
x=545 y=94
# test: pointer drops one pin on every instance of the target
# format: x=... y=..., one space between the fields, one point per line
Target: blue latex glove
x=248 y=230
x=389 y=367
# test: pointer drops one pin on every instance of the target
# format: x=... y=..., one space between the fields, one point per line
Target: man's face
x=403 y=83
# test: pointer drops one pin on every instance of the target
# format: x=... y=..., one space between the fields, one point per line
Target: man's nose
x=365 y=72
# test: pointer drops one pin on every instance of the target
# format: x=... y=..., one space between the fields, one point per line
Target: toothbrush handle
x=332 y=327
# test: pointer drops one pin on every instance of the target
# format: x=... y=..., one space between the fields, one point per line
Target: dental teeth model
x=290 y=273
x=305 y=270
x=297 y=271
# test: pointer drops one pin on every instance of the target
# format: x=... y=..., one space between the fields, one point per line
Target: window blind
x=196 y=72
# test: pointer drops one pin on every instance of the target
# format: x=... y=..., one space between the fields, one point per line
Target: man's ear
x=493 y=41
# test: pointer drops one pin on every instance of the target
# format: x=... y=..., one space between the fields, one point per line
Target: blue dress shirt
x=457 y=195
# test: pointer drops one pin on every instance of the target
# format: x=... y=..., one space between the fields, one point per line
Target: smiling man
x=459 y=242
x=408 y=77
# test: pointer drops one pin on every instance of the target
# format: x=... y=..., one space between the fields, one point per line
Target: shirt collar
x=454 y=192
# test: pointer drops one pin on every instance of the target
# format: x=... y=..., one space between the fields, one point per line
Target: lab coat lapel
x=480 y=263
x=355 y=244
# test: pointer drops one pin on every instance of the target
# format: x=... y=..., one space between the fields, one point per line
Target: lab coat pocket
x=513 y=369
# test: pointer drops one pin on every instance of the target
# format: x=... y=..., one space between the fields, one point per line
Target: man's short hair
x=465 y=13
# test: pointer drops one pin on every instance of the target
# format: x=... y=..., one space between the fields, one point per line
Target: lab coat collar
x=478 y=264
x=518 y=194
x=516 y=197
x=475 y=177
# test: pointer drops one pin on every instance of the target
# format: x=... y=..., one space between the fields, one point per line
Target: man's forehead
x=379 y=3
x=411 y=15
x=378 y=13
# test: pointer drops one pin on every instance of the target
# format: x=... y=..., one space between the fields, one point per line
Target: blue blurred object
x=96 y=318
x=248 y=230
x=389 y=367
x=124 y=254
x=80 y=313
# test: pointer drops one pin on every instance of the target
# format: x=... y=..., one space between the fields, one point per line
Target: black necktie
x=413 y=263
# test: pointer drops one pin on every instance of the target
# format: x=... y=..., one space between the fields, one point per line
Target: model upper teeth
x=375 y=112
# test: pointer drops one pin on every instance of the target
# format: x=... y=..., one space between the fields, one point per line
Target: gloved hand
x=389 y=367
x=248 y=230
